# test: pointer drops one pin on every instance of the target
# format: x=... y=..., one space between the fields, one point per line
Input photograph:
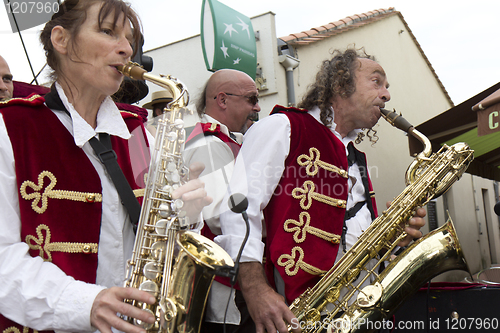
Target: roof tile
x=311 y=32
x=347 y=20
x=319 y=29
x=329 y=26
x=301 y=35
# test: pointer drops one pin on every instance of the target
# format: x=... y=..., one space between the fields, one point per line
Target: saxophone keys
x=312 y=316
x=158 y=250
x=173 y=177
x=171 y=167
x=143 y=324
x=161 y=227
x=177 y=205
x=370 y=295
x=150 y=287
x=152 y=270
x=168 y=308
x=332 y=294
x=165 y=210
x=172 y=136
x=179 y=124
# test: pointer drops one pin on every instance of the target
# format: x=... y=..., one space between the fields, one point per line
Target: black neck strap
x=107 y=156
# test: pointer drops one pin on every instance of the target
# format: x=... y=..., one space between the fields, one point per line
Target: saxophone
x=179 y=276
x=352 y=296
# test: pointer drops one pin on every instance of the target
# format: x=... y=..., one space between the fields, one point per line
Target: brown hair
x=72 y=14
x=336 y=77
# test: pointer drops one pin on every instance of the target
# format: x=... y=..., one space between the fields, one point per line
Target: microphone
x=497 y=208
x=238 y=203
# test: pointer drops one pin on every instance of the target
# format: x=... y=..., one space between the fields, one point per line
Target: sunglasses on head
x=254 y=99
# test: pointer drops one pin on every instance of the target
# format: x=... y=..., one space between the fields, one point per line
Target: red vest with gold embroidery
x=305 y=215
x=60 y=192
x=214 y=129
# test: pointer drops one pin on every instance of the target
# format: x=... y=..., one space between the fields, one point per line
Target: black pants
x=246 y=325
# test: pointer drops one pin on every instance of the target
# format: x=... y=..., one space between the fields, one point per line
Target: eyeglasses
x=254 y=99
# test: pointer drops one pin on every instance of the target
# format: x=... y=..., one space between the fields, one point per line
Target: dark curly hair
x=336 y=77
x=72 y=14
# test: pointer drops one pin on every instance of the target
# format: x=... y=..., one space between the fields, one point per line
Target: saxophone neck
x=178 y=90
x=398 y=121
x=427 y=151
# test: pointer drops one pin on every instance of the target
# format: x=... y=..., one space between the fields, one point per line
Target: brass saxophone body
x=173 y=264
x=353 y=297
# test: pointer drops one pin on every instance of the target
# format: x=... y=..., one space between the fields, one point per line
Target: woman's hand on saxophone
x=110 y=301
x=193 y=193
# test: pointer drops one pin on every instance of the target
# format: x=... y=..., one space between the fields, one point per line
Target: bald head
x=6 y=85
x=230 y=97
x=225 y=79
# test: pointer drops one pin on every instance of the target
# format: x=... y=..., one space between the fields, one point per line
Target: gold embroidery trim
x=139 y=192
x=31 y=99
x=313 y=163
x=307 y=193
x=49 y=192
x=301 y=227
x=292 y=265
x=213 y=127
x=131 y=113
x=44 y=245
x=14 y=329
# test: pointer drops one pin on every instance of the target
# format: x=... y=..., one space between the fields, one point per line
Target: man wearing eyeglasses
x=228 y=100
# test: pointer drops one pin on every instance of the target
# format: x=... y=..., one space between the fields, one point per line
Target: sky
x=461 y=39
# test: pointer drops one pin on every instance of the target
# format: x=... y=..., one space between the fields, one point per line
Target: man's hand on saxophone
x=193 y=193
x=267 y=308
x=413 y=226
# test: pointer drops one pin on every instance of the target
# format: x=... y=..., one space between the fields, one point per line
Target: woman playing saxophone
x=65 y=234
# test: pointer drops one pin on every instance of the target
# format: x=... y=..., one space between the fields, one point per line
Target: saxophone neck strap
x=107 y=156
x=348 y=215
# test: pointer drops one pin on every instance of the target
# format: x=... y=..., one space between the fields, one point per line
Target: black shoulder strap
x=107 y=156
x=353 y=157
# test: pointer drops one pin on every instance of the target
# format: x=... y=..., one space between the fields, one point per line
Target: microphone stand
x=238 y=203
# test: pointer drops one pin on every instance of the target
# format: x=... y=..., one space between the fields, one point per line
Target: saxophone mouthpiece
x=132 y=70
x=396 y=120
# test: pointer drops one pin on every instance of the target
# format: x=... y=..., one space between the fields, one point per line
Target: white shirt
x=219 y=164
x=258 y=170
x=38 y=294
